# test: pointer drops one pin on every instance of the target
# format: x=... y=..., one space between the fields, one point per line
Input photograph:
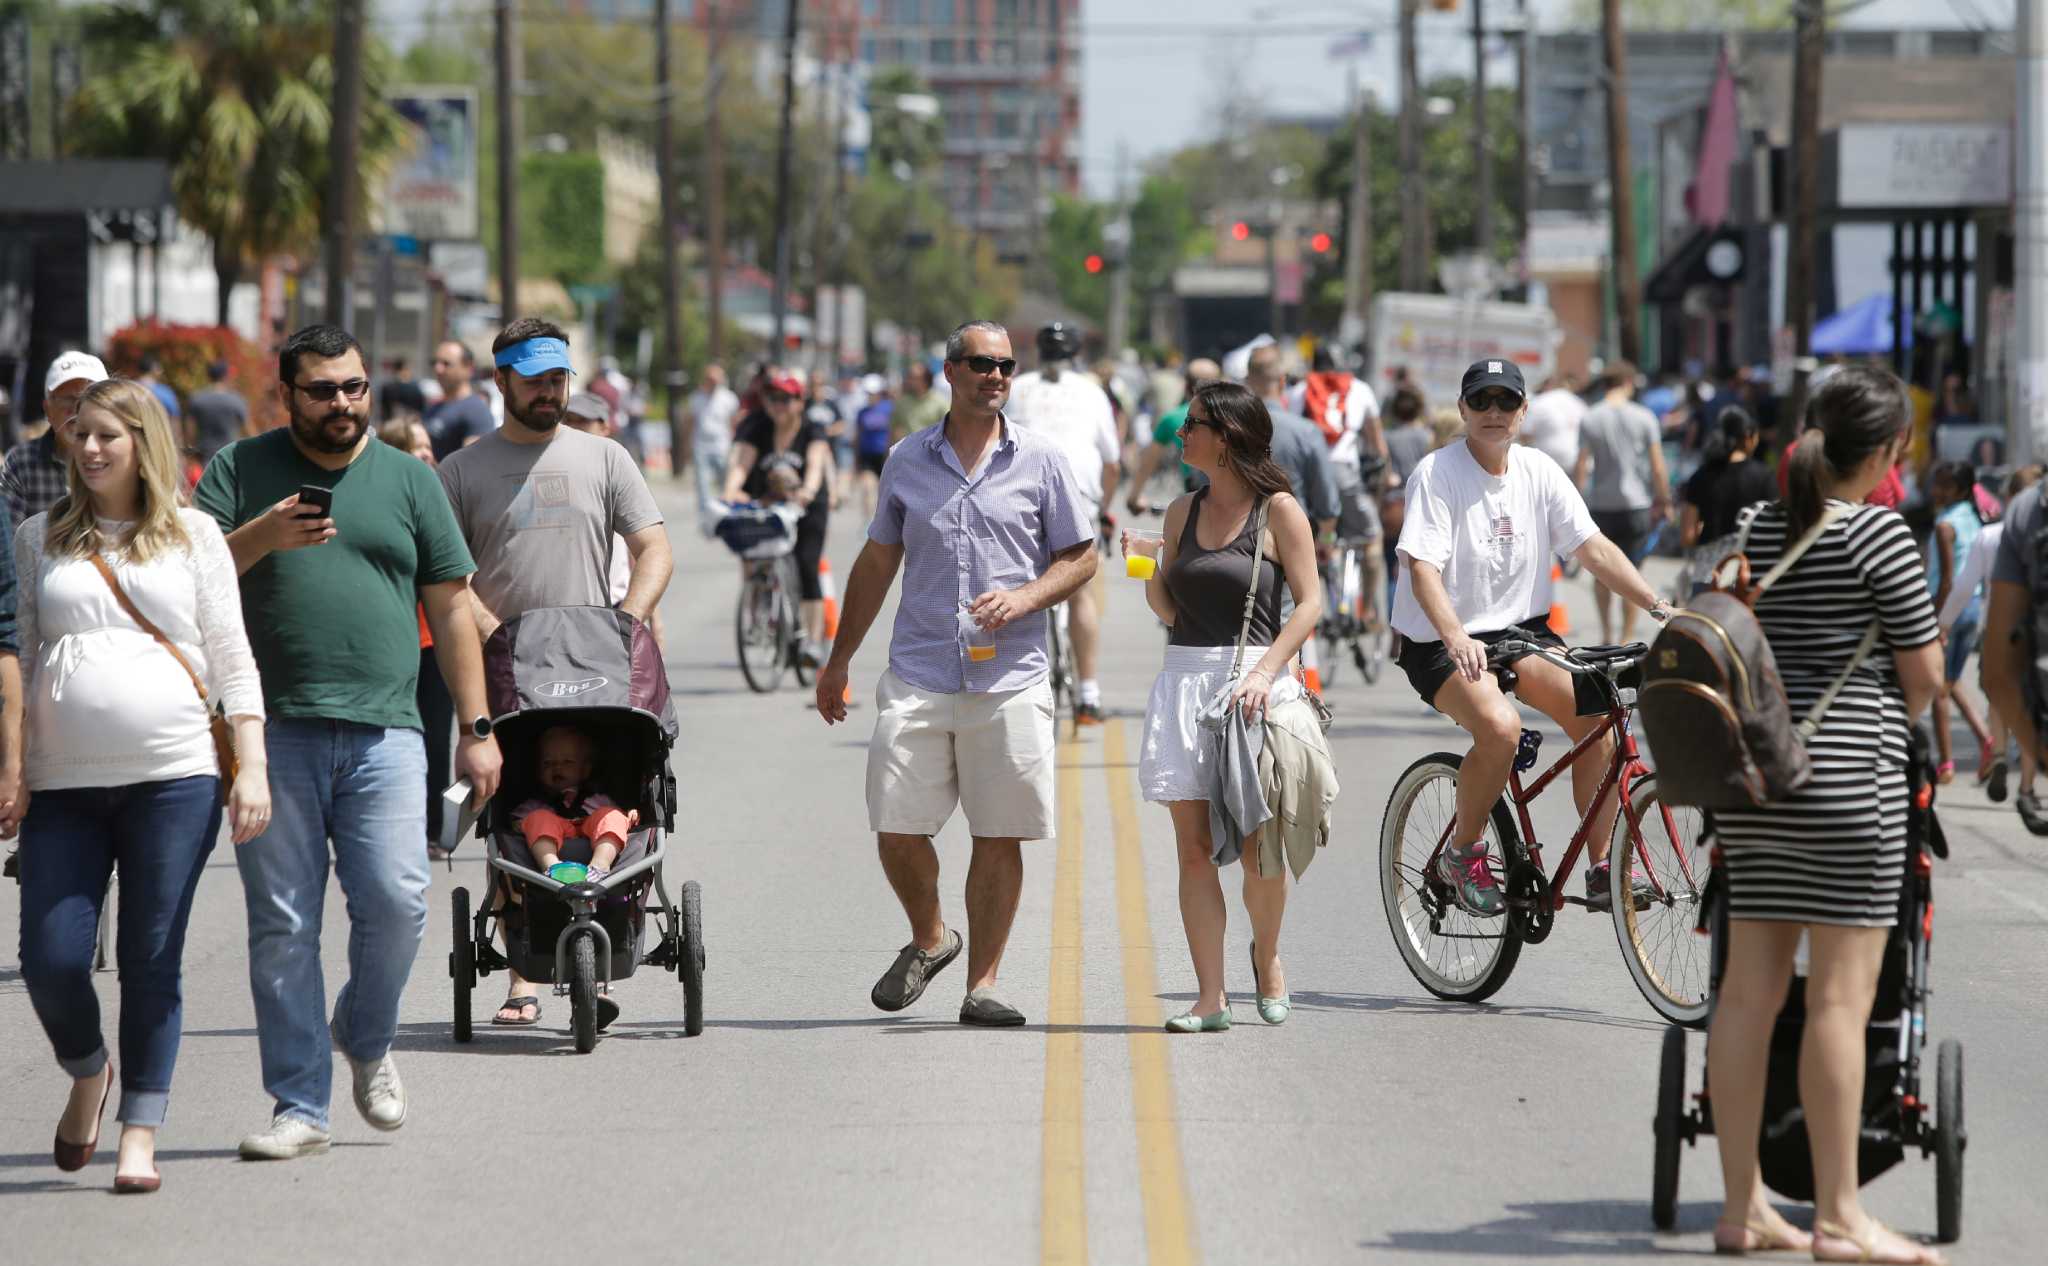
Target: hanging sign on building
x=1925 y=165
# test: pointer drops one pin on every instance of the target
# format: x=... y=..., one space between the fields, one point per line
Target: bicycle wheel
x=793 y=618
x=1451 y=953
x=1330 y=629
x=1372 y=644
x=761 y=628
x=1057 y=656
x=1666 y=956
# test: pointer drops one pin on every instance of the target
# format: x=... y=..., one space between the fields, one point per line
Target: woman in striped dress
x=1829 y=859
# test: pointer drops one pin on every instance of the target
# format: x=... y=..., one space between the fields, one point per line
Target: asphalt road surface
x=1377 y=1125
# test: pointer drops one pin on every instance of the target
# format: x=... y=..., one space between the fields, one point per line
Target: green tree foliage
x=235 y=95
x=903 y=142
x=561 y=196
x=1166 y=231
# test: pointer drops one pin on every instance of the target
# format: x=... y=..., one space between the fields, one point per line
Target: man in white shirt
x=713 y=407
x=1552 y=427
x=1485 y=516
x=1072 y=408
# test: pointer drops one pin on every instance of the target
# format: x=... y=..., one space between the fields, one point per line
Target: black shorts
x=1628 y=529
x=1429 y=666
x=872 y=463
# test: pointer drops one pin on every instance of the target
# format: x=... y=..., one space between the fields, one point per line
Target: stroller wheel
x=461 y=962
x=690 y=959
x=583 y=992
x=1670 y=1108
x=1949 y=1140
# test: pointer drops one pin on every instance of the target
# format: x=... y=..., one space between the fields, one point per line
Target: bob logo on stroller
x=570 y=689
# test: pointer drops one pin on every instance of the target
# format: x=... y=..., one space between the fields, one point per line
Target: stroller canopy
x=576 y=658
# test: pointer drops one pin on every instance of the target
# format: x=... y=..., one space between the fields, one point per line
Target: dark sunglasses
x=354 y=389
x=1190 y=422
x=985 y=365
x=777 y=397
x=1493 y=400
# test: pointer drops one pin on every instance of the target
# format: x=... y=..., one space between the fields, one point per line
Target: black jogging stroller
x=599 y=669
x=1897 y=1115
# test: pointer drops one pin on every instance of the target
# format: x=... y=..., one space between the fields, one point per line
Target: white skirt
x=1174 y=764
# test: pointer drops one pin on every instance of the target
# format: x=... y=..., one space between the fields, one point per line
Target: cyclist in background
x=1484 y=517
x=782 y=455
x=1071 y=408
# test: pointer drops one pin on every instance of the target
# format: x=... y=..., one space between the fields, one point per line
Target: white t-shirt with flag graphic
x=1492 y=537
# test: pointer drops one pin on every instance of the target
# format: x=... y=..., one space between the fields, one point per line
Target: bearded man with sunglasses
x=329 y=601
x=1484 y=517
x=982 y=518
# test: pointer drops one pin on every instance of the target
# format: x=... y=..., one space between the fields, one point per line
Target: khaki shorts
x=991 y=754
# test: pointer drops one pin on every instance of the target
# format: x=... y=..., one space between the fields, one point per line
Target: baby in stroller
x=573 y=832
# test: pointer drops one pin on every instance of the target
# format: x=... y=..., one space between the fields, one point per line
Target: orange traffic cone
x=1560 y=623
x=831 y=592
x=1311 y=667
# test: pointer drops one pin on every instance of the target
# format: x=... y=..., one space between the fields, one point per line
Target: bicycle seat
x=1604 y=655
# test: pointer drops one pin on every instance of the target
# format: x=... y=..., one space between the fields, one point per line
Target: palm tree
x=236 y=95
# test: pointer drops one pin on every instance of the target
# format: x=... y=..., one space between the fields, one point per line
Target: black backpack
x=1712 y=706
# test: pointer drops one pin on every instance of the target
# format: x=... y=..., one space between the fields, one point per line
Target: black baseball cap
x=1493 y=373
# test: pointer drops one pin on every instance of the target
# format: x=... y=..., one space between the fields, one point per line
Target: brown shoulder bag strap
x=135 y=614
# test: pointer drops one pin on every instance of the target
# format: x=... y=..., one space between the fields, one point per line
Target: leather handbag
x=223 y=734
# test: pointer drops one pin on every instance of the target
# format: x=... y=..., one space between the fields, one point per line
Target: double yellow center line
x=1162 y=1182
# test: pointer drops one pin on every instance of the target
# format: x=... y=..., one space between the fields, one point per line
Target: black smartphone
x=321 y=499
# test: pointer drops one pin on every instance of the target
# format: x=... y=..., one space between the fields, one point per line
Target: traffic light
x=1093 y=263
x=1240 y=231
x=1320 y=243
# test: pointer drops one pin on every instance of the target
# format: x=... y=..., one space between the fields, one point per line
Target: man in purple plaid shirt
x=984 y=522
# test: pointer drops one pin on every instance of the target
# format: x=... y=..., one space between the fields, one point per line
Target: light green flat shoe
x=1189 y=1022
x=1275 y=1010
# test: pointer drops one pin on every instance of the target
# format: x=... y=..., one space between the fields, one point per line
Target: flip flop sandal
x=607 y=1010
x=520 y=1003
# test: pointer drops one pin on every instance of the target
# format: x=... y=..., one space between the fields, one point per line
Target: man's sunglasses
x=986 y=365
x=354 y=389
x=1493 y=400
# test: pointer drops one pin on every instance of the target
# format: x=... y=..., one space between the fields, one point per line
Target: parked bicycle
x=1466 y=957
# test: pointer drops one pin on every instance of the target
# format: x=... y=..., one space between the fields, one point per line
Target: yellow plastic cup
x=980 y=642
x=1142 y=547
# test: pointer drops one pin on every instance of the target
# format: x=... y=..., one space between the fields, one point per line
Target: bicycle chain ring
x=1530 y=915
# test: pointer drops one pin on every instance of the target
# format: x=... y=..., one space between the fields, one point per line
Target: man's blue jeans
x=159 y=835
x=359 y=786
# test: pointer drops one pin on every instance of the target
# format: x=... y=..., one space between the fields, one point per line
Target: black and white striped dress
x=1834 y=851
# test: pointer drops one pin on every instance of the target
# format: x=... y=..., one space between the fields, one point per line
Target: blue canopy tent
x=1864 y=328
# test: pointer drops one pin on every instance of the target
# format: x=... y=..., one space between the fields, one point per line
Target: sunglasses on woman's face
x=1190 y=422
x=1493 y=400
x=777 y=397
x=986 y=365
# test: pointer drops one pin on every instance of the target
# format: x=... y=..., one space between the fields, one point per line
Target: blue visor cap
x=535 y=356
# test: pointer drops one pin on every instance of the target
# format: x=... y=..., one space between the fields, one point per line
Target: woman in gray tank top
x=1198 y=590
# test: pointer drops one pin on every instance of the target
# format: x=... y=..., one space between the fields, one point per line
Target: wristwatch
x=480 y=728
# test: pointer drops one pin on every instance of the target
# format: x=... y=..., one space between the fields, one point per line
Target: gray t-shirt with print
x=540 y=518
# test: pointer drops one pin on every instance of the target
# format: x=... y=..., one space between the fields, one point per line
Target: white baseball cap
x=72 y=366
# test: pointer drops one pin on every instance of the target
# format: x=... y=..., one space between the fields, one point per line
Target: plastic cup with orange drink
x=980 y=642
x=1142 y=547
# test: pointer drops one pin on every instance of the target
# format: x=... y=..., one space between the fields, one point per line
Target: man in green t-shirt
x=329 y=600
x=1166 y=438
x=919 y=406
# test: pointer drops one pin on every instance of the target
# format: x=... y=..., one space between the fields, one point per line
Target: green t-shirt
x=334 y=626
x=1167 y=431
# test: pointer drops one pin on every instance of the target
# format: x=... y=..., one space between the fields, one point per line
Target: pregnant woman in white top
x=120 y=765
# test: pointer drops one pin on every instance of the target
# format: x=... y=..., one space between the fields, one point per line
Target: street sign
x=465 y=267
x=432 y=189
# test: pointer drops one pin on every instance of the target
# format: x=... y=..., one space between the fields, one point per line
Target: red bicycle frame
x=1623 y=768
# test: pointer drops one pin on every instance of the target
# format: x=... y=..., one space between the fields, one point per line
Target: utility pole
x=1809 y=40
x=1525 y=132
x=508 y=158
x=1116 y=246
x=1353 y=328
x=1414 y=228
x=842 y=311
x=344 y=136
x=1482 y=161
x=2027 y=428
x=671 y=278
x=1621 y=264
x=778 y=303
x=714 y=182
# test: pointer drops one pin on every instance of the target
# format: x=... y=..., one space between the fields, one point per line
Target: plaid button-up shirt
x=963 y=535
x=33 y=478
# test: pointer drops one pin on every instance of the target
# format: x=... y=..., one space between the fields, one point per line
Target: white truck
x=1436 y=336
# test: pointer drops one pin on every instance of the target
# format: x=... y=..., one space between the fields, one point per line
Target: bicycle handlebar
x=1620 y=657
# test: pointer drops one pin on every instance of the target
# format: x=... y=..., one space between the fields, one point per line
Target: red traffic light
x=1093 y=263
x=1320 y=243
x=1240 y=231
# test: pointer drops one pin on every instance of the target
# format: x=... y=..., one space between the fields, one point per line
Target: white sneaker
x=286 y=1138
x=379 y=1094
